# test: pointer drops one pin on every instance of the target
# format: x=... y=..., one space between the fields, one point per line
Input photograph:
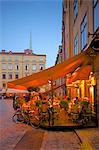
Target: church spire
x=30 y=41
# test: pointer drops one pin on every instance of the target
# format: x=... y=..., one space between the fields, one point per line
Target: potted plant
x=64 y=104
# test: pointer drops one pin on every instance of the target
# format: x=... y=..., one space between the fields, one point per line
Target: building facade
x=80 y=29
x=80 y=18
x=15 y=65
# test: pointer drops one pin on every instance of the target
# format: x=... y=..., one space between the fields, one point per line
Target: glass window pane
x=84 y=32
x=10 y=66
x=3 y=66
x=34 y=67
x=96 y=16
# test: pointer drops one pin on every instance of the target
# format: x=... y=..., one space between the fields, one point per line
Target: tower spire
x=30 y=41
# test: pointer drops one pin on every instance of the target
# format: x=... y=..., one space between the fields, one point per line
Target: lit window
x=75 y=8
x=10 y=75
x=3 y=66
x=10 y=66
x=84 y=33
x=34 y=67
x=96 y=13
x=4 y=76
x=76 y=45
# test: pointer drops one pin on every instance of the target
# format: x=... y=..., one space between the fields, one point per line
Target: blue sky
x=43 y=18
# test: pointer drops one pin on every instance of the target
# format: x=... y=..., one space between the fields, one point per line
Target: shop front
x=79 y=107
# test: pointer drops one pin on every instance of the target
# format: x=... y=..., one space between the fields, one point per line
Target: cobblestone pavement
x=60 y=141
x=10 y=133
x=90 y=136
x=38 y=139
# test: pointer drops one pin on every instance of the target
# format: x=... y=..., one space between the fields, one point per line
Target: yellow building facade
x=15 y=65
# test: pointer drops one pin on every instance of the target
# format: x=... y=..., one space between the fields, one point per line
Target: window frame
x=16 y=74
x=10 y=77
x=11 y=66
x=4 y=85
x=76 y=44
x=83 y=28
x=3 y=74
x=4 y=67
x=75 y=9
x=34 y=69
x=95 y=4
x=41 y=66
x=16 y=67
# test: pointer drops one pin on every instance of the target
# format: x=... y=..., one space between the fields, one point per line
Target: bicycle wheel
x=35 y=121
x=18 y=117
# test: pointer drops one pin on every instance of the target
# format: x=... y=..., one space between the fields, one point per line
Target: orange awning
x=82 y=73
x=52 y=73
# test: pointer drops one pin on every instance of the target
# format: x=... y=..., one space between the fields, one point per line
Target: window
x=41 y=59
x=16 y=76
x=4 y=76
x=26 y=59
x=3 y=66
x=16 y=58
x=3 y=58
x=16 y=67
x=10 y=66
x=10 y=58
x=4 y=85
x=10 y=76
x=26 y=67
x=76 y=45
x=96 y=13
x=41 y=66
x=75 y=8
x=34 y=67
x=84 y=32
x=33 y=59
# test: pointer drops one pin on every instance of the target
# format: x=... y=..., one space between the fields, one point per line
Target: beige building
x=80 y=32
x=15 y=65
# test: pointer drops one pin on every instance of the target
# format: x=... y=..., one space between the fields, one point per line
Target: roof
x=20 y=53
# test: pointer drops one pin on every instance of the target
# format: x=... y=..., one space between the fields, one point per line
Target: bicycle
x=28 y=117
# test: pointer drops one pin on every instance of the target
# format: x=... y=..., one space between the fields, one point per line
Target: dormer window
x=10 y=52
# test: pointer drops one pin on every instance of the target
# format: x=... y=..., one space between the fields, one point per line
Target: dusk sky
x=43 y=18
